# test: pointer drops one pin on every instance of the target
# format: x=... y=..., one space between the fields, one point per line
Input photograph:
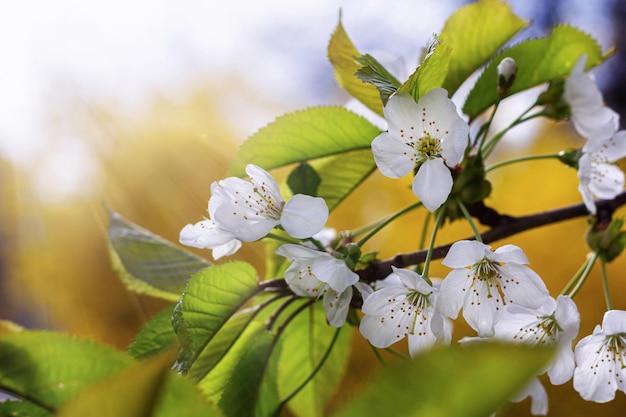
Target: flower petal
x=303 y=216
x=522 y=286
x=509 y=253
x=394 y=157
x=432 y=183
x=336 y=306
x=562 y=367
x=538 y=397
x=232 y=218
x=401 y=112
x=453 y=292
x=614 y=322
x=465 y=253
x=334 y=272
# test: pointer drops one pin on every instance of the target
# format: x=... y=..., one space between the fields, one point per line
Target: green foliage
x=147 y=263
x=431 y=73
x=154 y=336
x=374 y=73
x=211 y=297
x=473 y=34
x=343 y=55
x=144 y=389
x=327 y=137
x=49 y=368
x=21 y=409
x=538 y=61
x=303 y=346
x=304 y=180
x=464 y=381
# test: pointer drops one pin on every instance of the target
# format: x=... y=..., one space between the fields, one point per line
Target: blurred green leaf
x=211 y=298
x=155 y=336
x=22 y=409
x=343 y=55
x=147 y=263
x=303 y=345
x=304 y=135
x=431 y=73
x=473 y=34
x=374 y=73
x=464 y=381
x=49 y=368
x=341 y=174
x=145 y=389
x=538 y=61
x=304 y=180
x=237 y=383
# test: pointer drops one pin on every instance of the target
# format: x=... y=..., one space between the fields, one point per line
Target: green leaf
x=474 y=33
x=303 y=345
x=211 y=297
x=538 y=61
x=145 y=389
x=431 y=73
x=238 y=384
x=374 y=73
x=155 y=336
x=304 y=180
x=22 y=409
x=341 y=174
x=451 y=382
x=49 y=368
x=147 y=263
x=343 y=55
x=308 y=134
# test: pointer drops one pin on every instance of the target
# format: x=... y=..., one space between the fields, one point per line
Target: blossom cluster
x=499 y=295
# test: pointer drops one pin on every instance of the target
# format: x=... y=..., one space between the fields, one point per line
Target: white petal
x=567 y=316
x=336 y=306
x=204 y=235
x=301 y=281
x=615 y=147
x=384 y=322
x=232 y=218
x=422 y=338
x=522 y=286
x=394 y=157
x=587 y=198
x=262 y=179
x=433 y=183
x=453 y=292
x=401 y=112
x=538 y=397
x=614 y=322
x=413 y=280
x=365 y=289
x=509 y=253
x=607 y=180
x=334 y=272
x=482 y=307
x=593 y=379
x=303 y=216
x=293 y=251
x=562 y=367
x=465 y=253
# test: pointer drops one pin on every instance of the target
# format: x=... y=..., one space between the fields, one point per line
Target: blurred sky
x=124 y=51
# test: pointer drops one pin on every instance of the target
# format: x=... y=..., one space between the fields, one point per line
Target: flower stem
x=605 y=286
x=468 y=217
x=522 y=159
x=386 y=221
x=490 y=145
x=581 y=275
x=282 y=238
x=378 y=355
x=429 y=254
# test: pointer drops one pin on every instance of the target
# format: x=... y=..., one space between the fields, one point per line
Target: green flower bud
x=607 y=240
x=570 y=157
x=507 y=69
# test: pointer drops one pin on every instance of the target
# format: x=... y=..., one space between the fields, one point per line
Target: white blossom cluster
x=499 y=295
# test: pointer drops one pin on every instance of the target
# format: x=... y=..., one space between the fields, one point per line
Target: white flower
x=491 y=280
x=538 y=397
x=250 y=210
x=404 y=309
x=315 y=273
x=588 y=112
x=554 y=323
x=601 y=359
x=599 y=177
x=429 y=133
x=207 y=234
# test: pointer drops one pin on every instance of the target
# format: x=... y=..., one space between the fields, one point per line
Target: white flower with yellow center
x=482 y=282
x=250 y=210
x=403 y=308
x=601 y=359
x=428 y=134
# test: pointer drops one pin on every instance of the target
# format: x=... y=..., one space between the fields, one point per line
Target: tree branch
x=502 y=226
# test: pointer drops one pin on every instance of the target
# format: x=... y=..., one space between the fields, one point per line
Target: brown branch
x=502 y=226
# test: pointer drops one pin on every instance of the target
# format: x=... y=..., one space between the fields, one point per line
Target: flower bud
x=507 y=68
x=607 y=240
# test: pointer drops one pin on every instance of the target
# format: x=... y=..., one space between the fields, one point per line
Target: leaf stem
x=429 y=254
x=469 y=219
x=605 y=286
x=386 y=221
x=581 y=277
x=522 y=159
